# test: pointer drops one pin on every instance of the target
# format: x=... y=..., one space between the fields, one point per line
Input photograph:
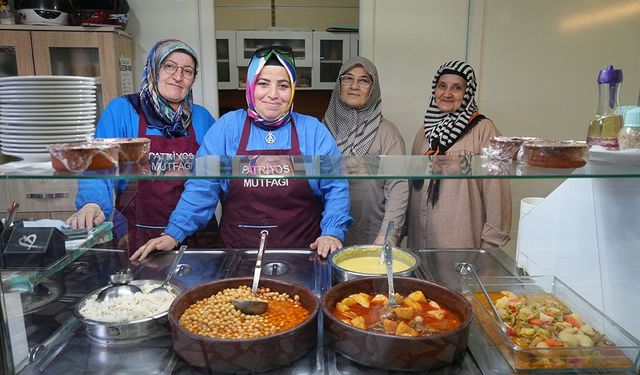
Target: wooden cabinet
x=15 y=53
x=105 y=53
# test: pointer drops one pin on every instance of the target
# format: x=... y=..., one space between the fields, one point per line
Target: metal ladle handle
x=172 y=270
x=467 y=268
x=388 y=260
x=387 y=236
x=258 y=269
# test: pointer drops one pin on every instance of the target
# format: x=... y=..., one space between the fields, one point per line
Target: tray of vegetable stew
x=544 y=326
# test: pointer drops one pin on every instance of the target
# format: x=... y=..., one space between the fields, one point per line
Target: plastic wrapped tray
x=556 y=154
x=622 y=355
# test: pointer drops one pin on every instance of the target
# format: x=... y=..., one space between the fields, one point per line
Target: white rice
x=128 y=308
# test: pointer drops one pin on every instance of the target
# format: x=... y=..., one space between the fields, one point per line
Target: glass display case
x=42 y=335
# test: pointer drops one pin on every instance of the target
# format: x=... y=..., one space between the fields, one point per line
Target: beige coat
x=471 y=213
x=376 y=201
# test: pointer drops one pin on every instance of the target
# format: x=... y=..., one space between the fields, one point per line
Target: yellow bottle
x=606 y=124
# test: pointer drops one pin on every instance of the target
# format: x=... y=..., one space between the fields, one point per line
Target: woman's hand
x=324 y=245
x=162 y=243
x=379 y=240
x=88 y=216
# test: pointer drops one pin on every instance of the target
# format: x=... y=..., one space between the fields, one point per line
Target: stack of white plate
x=36 y=111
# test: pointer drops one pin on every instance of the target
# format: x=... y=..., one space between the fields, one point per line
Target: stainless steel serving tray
x=302 y=267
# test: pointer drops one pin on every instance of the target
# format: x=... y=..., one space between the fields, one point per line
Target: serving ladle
x=388 y=262
x=252 y=307
x=119 y=286
x=386 y=239
x=163 y=287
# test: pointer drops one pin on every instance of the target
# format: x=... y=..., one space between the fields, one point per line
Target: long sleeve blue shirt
x=120 y=120
x=200 y=198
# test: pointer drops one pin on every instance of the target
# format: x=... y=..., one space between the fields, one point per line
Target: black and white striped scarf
x=355 y=129
x=443 y=129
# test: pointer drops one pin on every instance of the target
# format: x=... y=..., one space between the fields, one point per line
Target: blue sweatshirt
x=120 y=120
x=200 y=198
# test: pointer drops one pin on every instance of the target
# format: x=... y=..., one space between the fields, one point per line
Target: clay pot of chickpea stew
x=429 y=329
x=208 y=332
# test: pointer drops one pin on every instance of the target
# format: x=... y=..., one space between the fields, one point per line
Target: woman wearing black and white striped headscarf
x=456 y=213
x=354 y=117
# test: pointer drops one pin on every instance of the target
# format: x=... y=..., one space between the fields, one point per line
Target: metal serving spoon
x=388 y=261
x=251 y=307
x=386 y=239
x=163 y=288
x=119 y=287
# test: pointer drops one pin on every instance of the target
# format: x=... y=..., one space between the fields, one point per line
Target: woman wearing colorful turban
x=454 y=213
x=298 y=213
x=164 y=112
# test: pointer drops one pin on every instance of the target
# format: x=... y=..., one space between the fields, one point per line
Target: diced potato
x=405 y=330
x=434 y=304
x=413 y=304
x=584 y=340
x=569 y=337
x=437 y=314
x=417 y=296
x=358 y=322
x=404 y=312
x=527 y=332
x=362 y=300
x=389 y=325
x=349 y=301
x=587 y=329
x=399 y=298
x=502 y=302
x=349 y=314
x=545 y=318
x=380 y=299
x=342 y=307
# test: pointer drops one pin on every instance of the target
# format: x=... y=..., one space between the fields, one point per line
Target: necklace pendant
x=270 y=138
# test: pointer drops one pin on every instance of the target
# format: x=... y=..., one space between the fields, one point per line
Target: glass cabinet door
x=15 y=53
x=331 y=50
x=101 y=55
x=226 y=59
x=299 y=41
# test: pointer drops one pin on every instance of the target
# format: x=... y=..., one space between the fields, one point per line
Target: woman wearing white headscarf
x=456 y=213
x=354 y=117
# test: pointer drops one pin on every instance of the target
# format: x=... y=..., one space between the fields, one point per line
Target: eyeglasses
x=283 y=50
x=170 y=68
x=347 y=80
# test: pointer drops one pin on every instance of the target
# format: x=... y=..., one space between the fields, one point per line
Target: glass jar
x=629 y=136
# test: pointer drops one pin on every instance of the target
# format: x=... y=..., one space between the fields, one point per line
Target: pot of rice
x=127 y=319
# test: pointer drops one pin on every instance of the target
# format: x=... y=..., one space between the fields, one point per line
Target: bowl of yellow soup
x=354 y=262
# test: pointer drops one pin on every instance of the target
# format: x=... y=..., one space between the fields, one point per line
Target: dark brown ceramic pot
x=394 y=352
x=244 y=355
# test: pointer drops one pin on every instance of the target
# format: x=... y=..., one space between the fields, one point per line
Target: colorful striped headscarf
x=158 y=111
x=253 y=72
x=355 y=129
x=443 y=129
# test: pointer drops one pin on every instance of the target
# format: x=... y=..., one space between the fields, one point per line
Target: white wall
x=408 y=40
x=187 y=20
x=536 y=62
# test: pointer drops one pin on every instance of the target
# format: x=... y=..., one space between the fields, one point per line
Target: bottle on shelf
x=607 y=122
x=629 y=136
